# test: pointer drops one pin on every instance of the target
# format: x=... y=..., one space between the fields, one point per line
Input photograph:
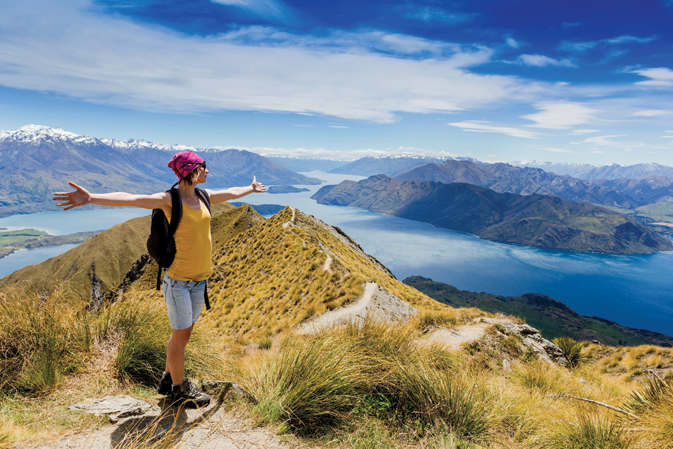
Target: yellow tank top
x=192 y=245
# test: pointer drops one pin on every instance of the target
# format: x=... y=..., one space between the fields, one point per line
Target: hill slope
x=109 y=255
x=535 y=220
x=270 y=275
x=552 y=317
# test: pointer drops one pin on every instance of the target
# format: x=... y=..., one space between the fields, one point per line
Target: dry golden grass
x=355 y=387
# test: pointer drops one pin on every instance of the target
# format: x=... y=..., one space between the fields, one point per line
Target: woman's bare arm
x=220 y=196
x=81 y=197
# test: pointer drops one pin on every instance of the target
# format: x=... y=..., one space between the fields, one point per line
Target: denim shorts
x=184 y=301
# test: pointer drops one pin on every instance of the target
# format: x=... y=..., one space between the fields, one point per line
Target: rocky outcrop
x=100 y=297
x=116 y=407
x=532 y=339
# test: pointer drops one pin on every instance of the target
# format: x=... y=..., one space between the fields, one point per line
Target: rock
x=545 y=349
x=222 y=388
x=506 y=366
x=116 y=407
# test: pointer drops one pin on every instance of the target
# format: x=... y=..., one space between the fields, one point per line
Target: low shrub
x=42 y=338
x=590 y=431
x=573 y=350
x=309 y=384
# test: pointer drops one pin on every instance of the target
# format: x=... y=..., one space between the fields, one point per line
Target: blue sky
x=505 y=80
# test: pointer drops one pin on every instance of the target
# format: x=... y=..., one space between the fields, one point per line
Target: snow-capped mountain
x=140 y=144
x=36 y=161
x=38 y=133
x=609 y=172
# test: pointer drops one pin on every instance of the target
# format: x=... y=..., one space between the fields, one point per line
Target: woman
x=184 y=283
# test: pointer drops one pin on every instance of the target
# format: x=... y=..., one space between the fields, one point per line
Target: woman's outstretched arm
x=81 y=197
x=220 y=196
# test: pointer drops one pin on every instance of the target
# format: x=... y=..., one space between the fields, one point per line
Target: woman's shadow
x=163 y=430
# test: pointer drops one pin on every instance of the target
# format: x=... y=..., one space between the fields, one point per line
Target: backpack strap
x=206 y=199
x=176 y=216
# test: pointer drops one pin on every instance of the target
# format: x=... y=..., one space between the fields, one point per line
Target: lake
x=635 y=291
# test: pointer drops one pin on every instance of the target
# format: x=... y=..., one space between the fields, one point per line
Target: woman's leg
x=178 y=301
x=175 y=353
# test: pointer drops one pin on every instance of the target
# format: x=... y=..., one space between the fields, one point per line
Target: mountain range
x=35 y=161
x=537 y=220
x=522 y=181
x=611 y=171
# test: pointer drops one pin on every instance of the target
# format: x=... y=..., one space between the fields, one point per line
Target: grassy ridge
x=268 y=278
x=373 y=385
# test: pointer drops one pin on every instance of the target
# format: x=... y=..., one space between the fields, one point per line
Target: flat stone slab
x=116 y=407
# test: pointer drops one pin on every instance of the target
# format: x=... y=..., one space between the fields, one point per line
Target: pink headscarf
x=184 y=163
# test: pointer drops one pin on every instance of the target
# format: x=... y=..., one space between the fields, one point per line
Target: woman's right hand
x=79 y=197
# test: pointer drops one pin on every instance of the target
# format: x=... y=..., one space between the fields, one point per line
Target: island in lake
x=285 y=189
x=12 y=241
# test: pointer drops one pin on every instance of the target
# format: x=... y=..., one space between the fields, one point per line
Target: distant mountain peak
x=39 y=132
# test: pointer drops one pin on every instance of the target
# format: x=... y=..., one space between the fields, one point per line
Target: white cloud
x=600 y=140
x=583 y=131
x=433 y=14
x=559 y=150
x=577 y=47
x=560 y=114
x=263 y=8
x=67 y=48
x=581 y=47
x=568 y=25
x=337 y=126
x=626 y=39
x=512 y=43
x=652 y=113
x=485 y=127
x=658 y=77
x=543 y=61
x=336 y=155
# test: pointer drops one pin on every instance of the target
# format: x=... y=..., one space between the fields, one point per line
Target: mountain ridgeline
x=35 y=161
x=542 y=221
x=505 y=178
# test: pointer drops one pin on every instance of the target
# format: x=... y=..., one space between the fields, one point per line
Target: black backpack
x=160 y=243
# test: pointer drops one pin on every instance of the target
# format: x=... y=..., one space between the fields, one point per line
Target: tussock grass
x=314 y=382
x=53 y=351
x=309 y=383
x=590 y=430
x=41 y=339
x=141 y=327
x=573 y=350
x=540 y=376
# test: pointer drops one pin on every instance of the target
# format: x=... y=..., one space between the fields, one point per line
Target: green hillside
x=110 y=254
x=552 y=317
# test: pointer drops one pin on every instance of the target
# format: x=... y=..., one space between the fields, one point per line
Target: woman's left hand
x=257 y=186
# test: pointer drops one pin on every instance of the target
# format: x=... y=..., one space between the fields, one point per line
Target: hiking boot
x=187 y=393
x=165 y=385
